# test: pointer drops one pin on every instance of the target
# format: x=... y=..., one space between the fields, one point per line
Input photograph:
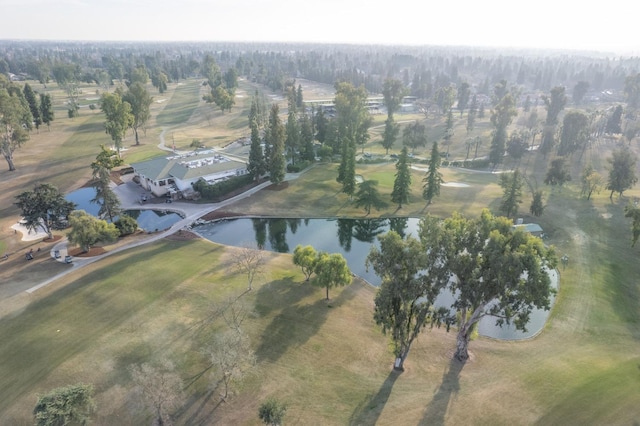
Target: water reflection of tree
x=278 y=235
x=293 y=224
x=345 y=233
x=399 y=224
x=133 y=213
x=366 y=230
x=260 y=228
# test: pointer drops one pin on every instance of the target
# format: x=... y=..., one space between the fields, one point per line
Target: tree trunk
x=135 y=131
x=327 y=292
x=9 y=159
x=462 y=345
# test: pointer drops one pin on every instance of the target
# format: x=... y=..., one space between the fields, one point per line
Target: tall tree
x=46 y=109
x=494 y=270
x=276 y=146
x=537 y=204
x=414 y=135
x=464 y=92
x=331 y=271
x=87 y=230
x=404 y=301
x=368 y=196
x=306 y=138
x=622 y=171
x=159 y=80
x=390 y=134
x=140 y=101
x=433 y=178
x=118 y=117
x=554 y=103
x=511 y=184
x=558 y=173
x=471 y=115
x=591 y=181
x=614 y=122
x=34 y=105
x=402 y=183
x=575 y=132
x=66 y=405
x=256 y=165
x=633 y=213
x=501 y=117
x=292 y=141
x=393 y=91
x=579 y=90
x=352 y=120
x=632 y=90
x=44 y=208
x=15 y=120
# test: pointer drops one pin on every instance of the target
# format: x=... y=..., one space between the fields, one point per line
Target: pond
x=149 y=220
x=353 y=239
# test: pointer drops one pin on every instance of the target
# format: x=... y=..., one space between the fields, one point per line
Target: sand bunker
x=456 y=185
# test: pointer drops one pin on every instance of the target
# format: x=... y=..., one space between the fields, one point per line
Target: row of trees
x=20 y=111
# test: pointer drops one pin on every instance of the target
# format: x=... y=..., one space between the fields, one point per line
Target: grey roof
x=186 y=167
x=530 y=227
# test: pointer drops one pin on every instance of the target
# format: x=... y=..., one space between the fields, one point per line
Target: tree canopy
x=622 y=171
x=44 y=208
x=404 y=301
x=118 y=117
x=331 y=271
x=368 y=196
x=87 y=230
x=495 y=270
x=65 y=406
x=15 y=121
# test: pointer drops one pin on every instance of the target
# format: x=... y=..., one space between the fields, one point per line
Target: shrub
x=126 y=225
x=295 y=168
x=325 y=153
x=218 y=190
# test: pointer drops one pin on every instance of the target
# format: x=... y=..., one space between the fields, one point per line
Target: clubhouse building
x=174 y=176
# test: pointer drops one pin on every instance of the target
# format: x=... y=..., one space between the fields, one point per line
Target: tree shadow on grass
x=369 y=410
x=436 y=410
x=296 y=322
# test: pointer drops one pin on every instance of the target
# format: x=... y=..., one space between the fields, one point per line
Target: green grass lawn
x=329 y=362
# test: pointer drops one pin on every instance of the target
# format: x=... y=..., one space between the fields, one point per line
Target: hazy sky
x=611 y=25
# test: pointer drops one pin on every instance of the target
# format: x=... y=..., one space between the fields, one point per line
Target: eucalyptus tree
x=393 y=91
x=622 y=171
x=501 y=117
x=140 y=102
x=491 y=268
x=575 y=133
x=15 y=121
x=352 y=121
x=118 y=117
x=404 y=300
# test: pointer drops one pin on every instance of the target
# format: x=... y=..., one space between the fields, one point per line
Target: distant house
x=176 y=174
x=532 y=228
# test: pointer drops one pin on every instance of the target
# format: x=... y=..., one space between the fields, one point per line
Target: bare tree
x=160 y=387
x=231 y=357
x=249 y=260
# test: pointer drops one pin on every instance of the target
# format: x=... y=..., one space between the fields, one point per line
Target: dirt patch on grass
x=55 y=239
x=182 y=235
